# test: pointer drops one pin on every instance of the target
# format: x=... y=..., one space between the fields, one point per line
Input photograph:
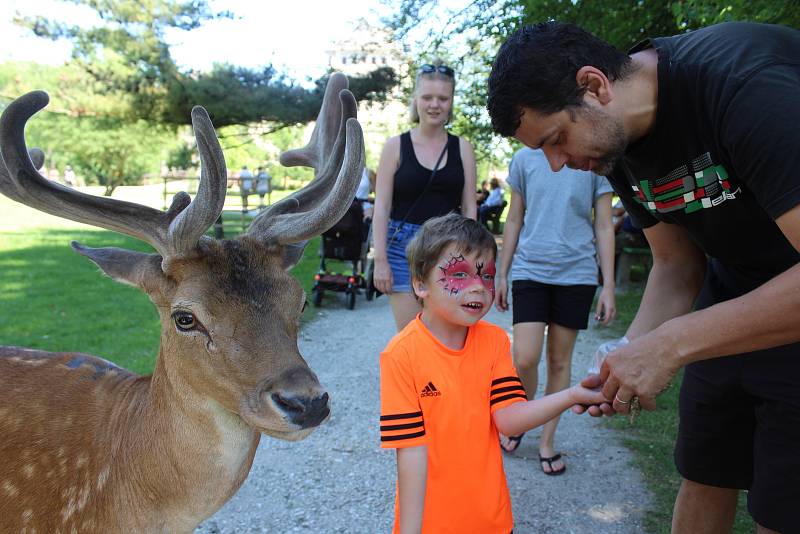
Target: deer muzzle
x=302 y=410
x=293 y=401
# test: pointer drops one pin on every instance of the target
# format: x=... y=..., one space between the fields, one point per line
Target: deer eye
x=184 y=321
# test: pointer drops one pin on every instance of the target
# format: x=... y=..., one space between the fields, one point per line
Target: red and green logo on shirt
x=699 y=184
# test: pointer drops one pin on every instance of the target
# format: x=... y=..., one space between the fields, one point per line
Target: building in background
x=366 y=49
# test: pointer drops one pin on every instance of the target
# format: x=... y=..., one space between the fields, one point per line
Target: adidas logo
x=430 y=391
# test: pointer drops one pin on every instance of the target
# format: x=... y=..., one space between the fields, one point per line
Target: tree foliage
x=128 y=56
x=482 y=25
x=78 y=127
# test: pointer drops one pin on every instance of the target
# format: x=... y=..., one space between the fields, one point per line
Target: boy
x=448 y=386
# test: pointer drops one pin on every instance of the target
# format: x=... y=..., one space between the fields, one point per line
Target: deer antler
x=172 y=233
x=336 y=153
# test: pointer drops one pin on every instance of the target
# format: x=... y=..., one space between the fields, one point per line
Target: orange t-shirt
x=443 y=398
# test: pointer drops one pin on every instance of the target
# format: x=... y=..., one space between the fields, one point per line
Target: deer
x=86 y=446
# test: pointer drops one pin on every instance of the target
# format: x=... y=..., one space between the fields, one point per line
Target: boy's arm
x=520 y=417
x=412 y=471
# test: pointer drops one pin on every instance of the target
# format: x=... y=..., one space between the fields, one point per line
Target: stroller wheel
x=317 y=297
x=351 y=299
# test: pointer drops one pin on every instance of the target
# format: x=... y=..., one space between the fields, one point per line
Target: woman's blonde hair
x=435 y=75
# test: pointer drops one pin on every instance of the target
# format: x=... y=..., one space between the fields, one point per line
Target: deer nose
x=302 y=410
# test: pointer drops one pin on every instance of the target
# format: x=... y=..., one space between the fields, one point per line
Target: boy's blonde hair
x=427 y=247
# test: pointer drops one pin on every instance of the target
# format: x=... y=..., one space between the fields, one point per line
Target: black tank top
x=410 y=179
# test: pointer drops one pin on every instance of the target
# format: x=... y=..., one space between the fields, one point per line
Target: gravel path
x=338 y=480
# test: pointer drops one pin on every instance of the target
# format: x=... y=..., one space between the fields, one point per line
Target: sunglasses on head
x=430 y=69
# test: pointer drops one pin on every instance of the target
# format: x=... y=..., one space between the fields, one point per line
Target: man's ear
x=597 y=85
x=420 y=289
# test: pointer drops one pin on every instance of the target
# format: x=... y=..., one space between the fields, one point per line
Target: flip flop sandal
x=514 y=443
x=549 y=462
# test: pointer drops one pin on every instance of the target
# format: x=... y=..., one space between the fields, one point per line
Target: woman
x=422 y=173
x=555 y=243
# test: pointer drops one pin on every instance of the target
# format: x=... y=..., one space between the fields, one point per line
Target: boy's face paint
x=458 y=273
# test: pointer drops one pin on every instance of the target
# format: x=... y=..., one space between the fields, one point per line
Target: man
x=698 y=134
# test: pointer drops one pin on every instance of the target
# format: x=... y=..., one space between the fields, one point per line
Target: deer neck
x=194 y=454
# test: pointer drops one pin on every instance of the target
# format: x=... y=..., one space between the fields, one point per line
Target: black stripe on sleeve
x=506 y=379
x=506 y=397
x=403 y=436
x=508 y=388
x=401 y=427
x=400 y=416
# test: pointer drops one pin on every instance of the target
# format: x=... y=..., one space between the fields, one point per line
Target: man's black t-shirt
x=723 y=158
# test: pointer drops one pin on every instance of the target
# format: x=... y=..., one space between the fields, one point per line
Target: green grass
x=51 y=298
x=652 y=437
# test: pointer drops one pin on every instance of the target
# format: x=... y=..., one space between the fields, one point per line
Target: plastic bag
x=602 y=351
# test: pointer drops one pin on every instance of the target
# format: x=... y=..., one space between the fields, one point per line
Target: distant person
x=557 y=230
x=245 y=185
x=493 y=201
x=483 y=192
x=69 y=176
x=448 y=386
x=263 y=186
x=364 y=192
x=422 y=173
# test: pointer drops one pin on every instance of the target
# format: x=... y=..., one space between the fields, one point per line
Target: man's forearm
x=670 y=292
x=763 y=318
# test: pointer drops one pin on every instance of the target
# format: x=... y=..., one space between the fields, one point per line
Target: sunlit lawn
x=54 y=299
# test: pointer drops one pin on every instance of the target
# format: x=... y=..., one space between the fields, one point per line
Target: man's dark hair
x=536 y=68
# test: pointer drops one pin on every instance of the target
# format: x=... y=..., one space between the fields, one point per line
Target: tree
x=484 y=24
x=130 y=57
x=78 y=129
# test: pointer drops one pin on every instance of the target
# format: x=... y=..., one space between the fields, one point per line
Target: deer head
x=229 y=310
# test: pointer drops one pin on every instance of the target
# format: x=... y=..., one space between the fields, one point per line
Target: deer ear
x=292 y=254
x=125 y=266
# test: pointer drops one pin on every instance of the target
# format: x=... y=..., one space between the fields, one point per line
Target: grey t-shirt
x=556 y=243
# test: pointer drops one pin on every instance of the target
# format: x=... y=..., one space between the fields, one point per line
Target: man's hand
x=643 y=368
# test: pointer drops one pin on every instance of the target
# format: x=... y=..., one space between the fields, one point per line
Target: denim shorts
x=398 y=237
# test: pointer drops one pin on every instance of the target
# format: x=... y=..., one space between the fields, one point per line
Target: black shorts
x=567 y=306
x=740 y=428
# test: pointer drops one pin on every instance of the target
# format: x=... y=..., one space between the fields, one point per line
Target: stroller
x=347 y=240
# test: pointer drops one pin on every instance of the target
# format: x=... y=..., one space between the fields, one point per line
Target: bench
x=629 y=257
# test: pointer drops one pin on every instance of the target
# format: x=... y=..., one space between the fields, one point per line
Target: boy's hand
x=592 y=383
x=584 y=395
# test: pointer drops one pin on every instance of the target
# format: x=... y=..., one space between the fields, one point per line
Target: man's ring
x=616 y=397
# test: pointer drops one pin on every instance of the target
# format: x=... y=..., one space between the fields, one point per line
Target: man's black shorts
x=535 y=302
x=740 y=428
